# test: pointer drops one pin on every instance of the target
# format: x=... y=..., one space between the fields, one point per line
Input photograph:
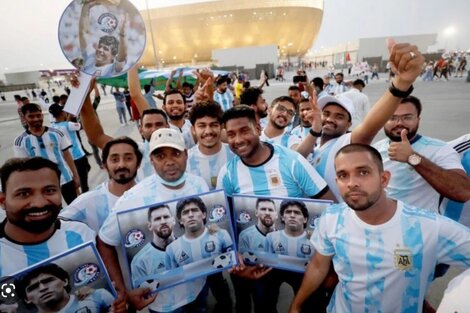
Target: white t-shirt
x=456 y=296
x=286 y=139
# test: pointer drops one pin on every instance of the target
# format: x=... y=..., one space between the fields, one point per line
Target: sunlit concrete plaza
x=446 y=109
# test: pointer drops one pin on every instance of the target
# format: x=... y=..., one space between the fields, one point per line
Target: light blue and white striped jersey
x=49 y=146
x=15 y=257
x=186 y=250
x=187 y=134
x=408 y=185
x=224 y=99
x=71 y=129
x=459 y=211
x=387 y=267
x=146 y=168
x=301 y=131
x=147 y=192
x=281 y=243
x=285 y=174
x=148 y=261
x=286 y=139
x=98 y=301
x=92 y=207
x=324 y=160
x=208 y=166
x=252 y=239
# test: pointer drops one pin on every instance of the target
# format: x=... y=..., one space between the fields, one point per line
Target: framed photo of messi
x=74 y=281
x=172 y=242
x=276 y=231
x=102 y=38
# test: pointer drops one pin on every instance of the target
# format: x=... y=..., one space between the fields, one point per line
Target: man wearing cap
x=330 y=128
x=168 y=156
x=71 y=129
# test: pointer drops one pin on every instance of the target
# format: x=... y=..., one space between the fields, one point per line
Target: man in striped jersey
x=210 y=154
x=222 y=94
x=32 y=201
x=48 y=143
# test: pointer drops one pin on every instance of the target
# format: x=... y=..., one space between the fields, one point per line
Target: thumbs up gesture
x=400 y=151
x=406 y=61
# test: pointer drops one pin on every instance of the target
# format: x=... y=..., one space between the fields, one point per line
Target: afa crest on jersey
x=85 y=274
x=403 y=259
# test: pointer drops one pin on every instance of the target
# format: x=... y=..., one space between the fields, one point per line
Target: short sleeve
x=319 y=239
x=307 y=177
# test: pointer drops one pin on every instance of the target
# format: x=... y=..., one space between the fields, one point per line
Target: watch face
x=414 y=159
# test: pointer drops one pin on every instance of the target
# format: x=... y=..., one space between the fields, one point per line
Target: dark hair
x=263 y=200
x=30 y=107
x=25 y=164
x=250 y=95
x=55 y=99
x=147 y=88
x=154 y=111
x=206 y=108
x=282 y=99
x=17 y=97
x=196 y=200
x=221 y=80
x=246 y=84
x=173 y=92
x=186 y=84
x=359 y=82
x=359 y=147
x=110 y=41
x=239 y=111
x=118 y=140
x=156 y=207
x=415 y=101
x=299 y=204
x=23 y=99
x=294 y=88
x=318 y=82
x=51 y=269
x=340 y=74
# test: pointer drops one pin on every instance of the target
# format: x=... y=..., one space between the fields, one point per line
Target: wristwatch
x=414 y=159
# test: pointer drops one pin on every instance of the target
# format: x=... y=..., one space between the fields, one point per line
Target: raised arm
x=406 y=62
x=135 y=90
x=83 y=24
x=169 y=81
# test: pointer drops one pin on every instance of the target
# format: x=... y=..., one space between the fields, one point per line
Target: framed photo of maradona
x=75 y=281
x=102 y=38
x=169 y=243
x=276 y=231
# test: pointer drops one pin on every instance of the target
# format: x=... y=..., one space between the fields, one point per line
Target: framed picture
x=276 y=231
x=169 y=243
x=102 y=38
x=74 y=281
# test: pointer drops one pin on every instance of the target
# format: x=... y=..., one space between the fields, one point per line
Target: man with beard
x=169 y=181
x=280 y=115
x=222 y=94
x=150 y=259
x=32 y=201
x=210 y=154
x=253 y=97
x=330 y=128
x=383 y=250
x=121 y=159
x=174 y=105
x=151 y=120
x=47 y=288
x=423 y=168
x=49 y=143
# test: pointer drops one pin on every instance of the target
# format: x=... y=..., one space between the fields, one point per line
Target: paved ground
x=446 y=109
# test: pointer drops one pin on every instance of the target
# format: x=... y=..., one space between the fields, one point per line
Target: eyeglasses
x=283 y=109
x=404 y=118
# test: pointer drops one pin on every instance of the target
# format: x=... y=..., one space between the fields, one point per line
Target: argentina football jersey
x=208 y=166
x=224 y=99
x=92 y=207
x=387 y=267
x=286 y=139
x=99 y=300
x=408 y=185
x=301 y=131
x=286 y=174
x=252 y=239
x=71 y=129
x=146 y=168
x=15 y=257
x=148 y=261
x=279 y=242
x=186 y=250
x=50 y=145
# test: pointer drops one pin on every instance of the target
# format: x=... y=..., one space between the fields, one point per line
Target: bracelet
x=399 y=93
x=314 y=133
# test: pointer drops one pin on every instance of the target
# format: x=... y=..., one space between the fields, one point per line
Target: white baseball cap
x=342 y=101
x=167 y=137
